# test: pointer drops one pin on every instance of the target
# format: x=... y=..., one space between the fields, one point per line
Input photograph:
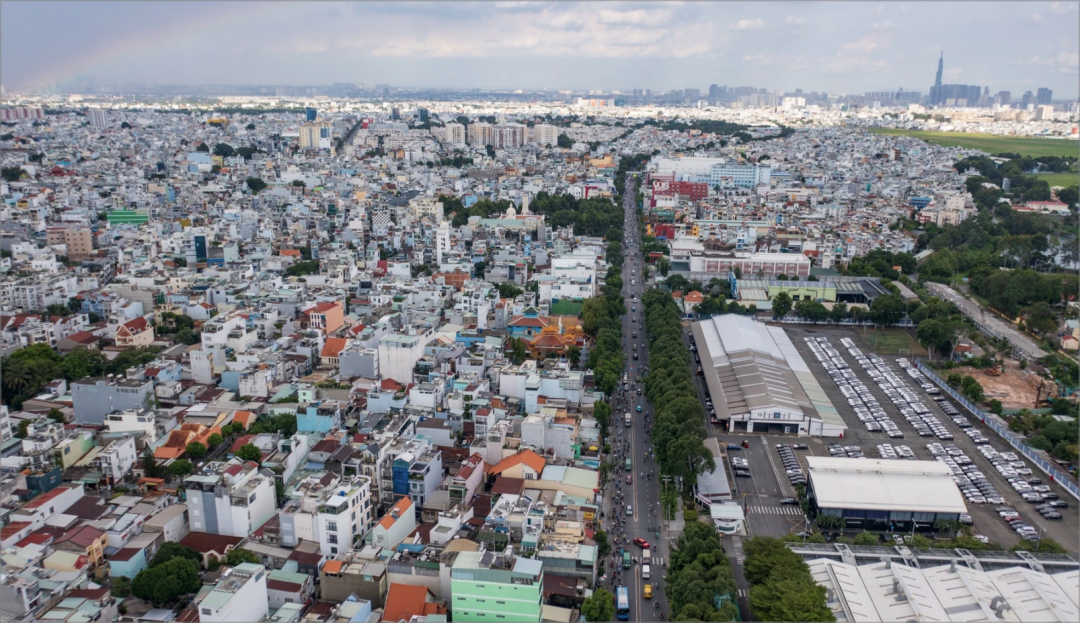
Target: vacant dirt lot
x=1011 y=388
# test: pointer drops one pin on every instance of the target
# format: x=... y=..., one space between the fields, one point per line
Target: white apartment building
x=231 y=498
x=330 y=514
x=136 y=422
x=454 y=134
x=714 y=172
x=544 y=134
x=442 y=240
x=241 y=594
x=98 y=118
x=117 y=459
x=429 y=207
x=399 y=352
x=316 y=135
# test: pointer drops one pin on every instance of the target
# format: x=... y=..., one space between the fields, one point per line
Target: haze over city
x=836 y=47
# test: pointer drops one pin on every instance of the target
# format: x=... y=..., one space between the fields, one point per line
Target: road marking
x=776 y=510
x=742 y=592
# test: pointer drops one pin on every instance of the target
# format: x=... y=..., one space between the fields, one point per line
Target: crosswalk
x=742 y=592
x=775 y=510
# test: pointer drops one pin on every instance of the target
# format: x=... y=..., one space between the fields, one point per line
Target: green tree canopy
x=599 y=607
x=249 y=452
x=781 y=304
x=165 y=583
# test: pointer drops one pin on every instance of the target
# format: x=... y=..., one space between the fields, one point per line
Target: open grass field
x=892 y=342
x=991 y=143
x=1060 y=179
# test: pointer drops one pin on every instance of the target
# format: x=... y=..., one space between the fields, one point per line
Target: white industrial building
x=879 y=494
x=888 y=591
x=759 y=382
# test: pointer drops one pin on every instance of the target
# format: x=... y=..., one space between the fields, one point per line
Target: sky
x=839 y=47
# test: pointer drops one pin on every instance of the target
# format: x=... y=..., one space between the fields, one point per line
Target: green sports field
x=892 y=342
x=991 y=143
x=1060 y=179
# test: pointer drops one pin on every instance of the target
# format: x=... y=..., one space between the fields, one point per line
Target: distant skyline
x=840 y=47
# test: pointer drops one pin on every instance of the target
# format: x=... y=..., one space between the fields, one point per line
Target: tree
x=240 y=556
x=255 y=184
x=214 y=439
x=866 y=538
x=781 y=304
x=839 y=312
x=517 y=351
x=887 y=309
x=508 y=290
x=56 y=415
x=564 y=141
x=181 y=467
x=150 y=466
x=573 y=353
x=203 y=147
x=249 y=452
x=935 y=335
x=811 y=310
x=601 y=606
x=165 y=583
x=249 y=127
x=788 y=596
x=11 y=174
x=170 y=550
x=195 y=450
x=603 y=547
x=490 y=151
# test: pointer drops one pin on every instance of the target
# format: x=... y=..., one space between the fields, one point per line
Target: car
x=646 y=591
x=899 y=540
x=734 y=446
x=629 y=479
x=742 y=473
x=639 y=391
x=746 y=443
x=800 y=446
x=981 y=538
x=790 y=501
x=635 y=356
x=629 y=510
x=1058 y=503
x=639 y=408
x=966 y=519
x=642 y=543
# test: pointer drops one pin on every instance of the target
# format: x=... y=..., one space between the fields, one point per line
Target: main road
x=633 y=498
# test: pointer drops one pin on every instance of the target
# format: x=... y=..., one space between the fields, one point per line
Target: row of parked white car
x=1024 y=481
x=889 y=451
x=925 y=423
x=859 y=397
x=967 y=476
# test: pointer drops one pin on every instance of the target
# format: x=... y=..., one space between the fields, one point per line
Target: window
x=776 y=416
x=331 y=538
x=331 y=526
x=206 y=611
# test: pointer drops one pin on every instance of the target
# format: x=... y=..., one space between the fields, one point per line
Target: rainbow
x=156 y=37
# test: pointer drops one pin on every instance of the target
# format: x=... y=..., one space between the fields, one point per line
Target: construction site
x=1015 y=388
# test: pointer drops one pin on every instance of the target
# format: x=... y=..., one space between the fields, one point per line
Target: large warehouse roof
x=756 y=368
x=883 y=485
x=893 y=592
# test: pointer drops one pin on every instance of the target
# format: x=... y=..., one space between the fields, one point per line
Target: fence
x=999 y=427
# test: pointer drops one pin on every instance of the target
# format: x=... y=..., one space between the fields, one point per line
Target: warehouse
x=886 y=591
x=877 y=494
x=758 y=382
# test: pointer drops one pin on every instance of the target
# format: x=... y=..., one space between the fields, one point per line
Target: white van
x=646 y=555
x=645 y=572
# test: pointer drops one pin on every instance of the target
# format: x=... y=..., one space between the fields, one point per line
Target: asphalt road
x=642 y=495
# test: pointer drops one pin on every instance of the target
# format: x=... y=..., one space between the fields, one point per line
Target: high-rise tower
x=940 y=69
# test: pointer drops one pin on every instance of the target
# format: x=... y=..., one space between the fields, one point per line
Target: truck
x=629 y=420
x=622 y=603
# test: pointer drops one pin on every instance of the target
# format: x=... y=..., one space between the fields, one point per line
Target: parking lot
x=920 y=429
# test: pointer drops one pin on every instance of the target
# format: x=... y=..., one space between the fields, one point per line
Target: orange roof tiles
x=405 y=601
x=333 y=566
x=528 y=457
x=402 y=505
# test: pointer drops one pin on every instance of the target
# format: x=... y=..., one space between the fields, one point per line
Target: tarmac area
x=762 y=493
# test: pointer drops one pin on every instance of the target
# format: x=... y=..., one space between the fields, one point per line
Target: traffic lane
x=760 y=494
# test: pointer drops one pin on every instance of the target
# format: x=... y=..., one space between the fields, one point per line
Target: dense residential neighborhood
x=355 y=361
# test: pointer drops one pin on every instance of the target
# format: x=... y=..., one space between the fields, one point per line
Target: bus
x=629 y=421
x=626 y=559
x=622 y=603
x=629 y=465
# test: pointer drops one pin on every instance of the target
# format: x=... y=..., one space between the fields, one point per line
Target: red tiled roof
x=83 y=536
x=46 y=497
x=405 y=601
x=334 y=346
x=402 y=505
x=528 y=457
x=204 y=542
x=13 y=528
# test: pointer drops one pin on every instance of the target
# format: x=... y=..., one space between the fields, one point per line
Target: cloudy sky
x=846 y=47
